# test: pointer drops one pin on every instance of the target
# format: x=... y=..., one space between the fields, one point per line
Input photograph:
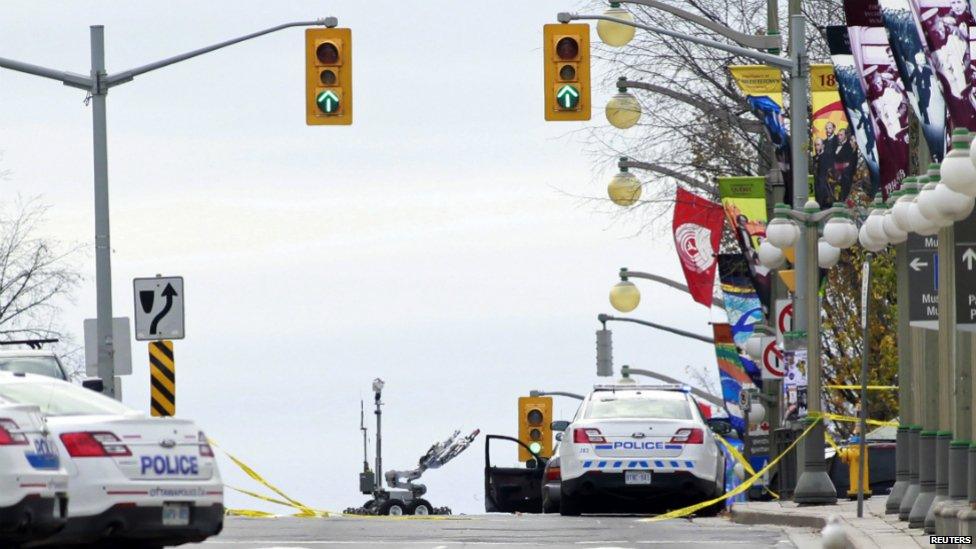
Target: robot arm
x=439 y=454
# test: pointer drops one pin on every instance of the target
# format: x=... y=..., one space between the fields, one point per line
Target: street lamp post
x=814 y=485
x=97 y=84
x=624 y=296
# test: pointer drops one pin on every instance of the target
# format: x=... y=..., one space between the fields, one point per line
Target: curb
x=749 y=516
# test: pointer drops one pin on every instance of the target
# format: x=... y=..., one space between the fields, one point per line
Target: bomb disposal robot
x=404 y=496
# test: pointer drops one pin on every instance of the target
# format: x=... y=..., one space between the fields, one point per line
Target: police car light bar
x=628 y=387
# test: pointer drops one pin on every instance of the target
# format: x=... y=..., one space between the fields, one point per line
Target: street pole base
x=908 y=500
x=815 y=488
x=967 y=522
x=893 y=503
x=916 y=519
x=947 y=517
x=937 y=502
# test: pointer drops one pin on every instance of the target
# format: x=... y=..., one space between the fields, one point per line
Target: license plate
x=176 y=514
x=637 y=477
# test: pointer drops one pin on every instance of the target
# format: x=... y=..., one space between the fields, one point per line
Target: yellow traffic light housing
x=328 y=76
x=567 y=71
x=535 y=426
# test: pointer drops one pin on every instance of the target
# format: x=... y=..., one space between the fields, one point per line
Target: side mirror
x=719 y=425
x=95 y=384
x=559 y=426
x=559 y=436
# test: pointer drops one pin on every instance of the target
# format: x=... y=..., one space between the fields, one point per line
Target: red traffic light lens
x=534 y=417
x=327 y=53
x=567 y=48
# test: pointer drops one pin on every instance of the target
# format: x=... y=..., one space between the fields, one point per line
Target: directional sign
x=327 y=101
x=567 y=97
x=965 y=232
x=159 y=308
x=923 y=281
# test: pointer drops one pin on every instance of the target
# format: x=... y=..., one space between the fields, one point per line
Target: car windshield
x=638 y=407
x=61 y=399
x=40 y=365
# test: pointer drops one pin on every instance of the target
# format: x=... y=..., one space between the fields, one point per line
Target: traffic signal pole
x=97 y=84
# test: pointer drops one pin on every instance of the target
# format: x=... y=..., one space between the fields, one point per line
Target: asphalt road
x=494 y=530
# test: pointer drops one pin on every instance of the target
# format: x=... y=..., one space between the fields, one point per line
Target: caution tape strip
x=738 y=489
x=869 y=387
x=742 y=459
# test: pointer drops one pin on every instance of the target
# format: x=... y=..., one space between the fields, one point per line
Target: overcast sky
x=433 y=243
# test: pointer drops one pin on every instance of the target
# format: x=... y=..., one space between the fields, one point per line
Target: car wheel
x=420 y=507
x=569 y=506
x=393 y=507
x=548 y=506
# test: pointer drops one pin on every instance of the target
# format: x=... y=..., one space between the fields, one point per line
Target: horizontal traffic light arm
x=107 y=81
x=781 y=63
x=754 y=41
x=125 y=76
x=607 y=318
x=708 y=397
x=539 y=393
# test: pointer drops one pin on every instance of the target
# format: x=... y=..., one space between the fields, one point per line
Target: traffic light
x=535 y=430
x=328 y=76
x=567 y=71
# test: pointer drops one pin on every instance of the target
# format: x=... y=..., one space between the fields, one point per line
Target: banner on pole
x=947 y=28
x=834 y=146
x=859 y=117
x=744 y=202
x=911 y=55
x=697 y=226
x=732 y=374
x=742 y=303
x=883 y=89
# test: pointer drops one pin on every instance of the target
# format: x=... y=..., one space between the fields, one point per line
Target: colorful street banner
x=731 y=373
x=883 y=88
x=763 y=87
x=911 y=55
x=744 y=202
x=697 y=225
x=795 y=384
x=834 y=146
x=946 y=26
x=855 y=104
x=741 y=300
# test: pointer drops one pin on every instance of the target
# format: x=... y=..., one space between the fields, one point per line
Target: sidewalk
x=875 y=531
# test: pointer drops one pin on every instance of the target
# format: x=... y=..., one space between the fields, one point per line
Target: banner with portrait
x=742 y=303
x=855 y=105
x=883 y=89
x=835 y=150
x=911 y=55
x=732 y=374
x=947 y=28
x=744 y=201
x=697 y=226
x=763 y=87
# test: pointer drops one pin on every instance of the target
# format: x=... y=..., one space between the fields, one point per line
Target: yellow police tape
x=304 y=511
x=741 y=459
x=738 y=489
x=869 y=387
x=851 y=419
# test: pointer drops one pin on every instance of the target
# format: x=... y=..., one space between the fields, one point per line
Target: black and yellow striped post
x=162 y=381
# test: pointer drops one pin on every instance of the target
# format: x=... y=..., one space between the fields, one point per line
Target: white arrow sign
x=917 y=263
x=969 y=257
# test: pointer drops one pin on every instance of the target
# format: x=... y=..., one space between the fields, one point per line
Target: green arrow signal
x=327 y=101
x=567 y=97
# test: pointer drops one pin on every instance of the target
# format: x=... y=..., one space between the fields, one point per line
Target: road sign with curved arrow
x=159 y=308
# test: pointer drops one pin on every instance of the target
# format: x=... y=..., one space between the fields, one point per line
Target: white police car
x=132 y=478
x=646 y=445
x=33 y=485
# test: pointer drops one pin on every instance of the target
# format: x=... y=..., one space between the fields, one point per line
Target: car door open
x=512 y=489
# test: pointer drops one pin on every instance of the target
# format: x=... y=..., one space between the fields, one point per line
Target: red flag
x=697 y=230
